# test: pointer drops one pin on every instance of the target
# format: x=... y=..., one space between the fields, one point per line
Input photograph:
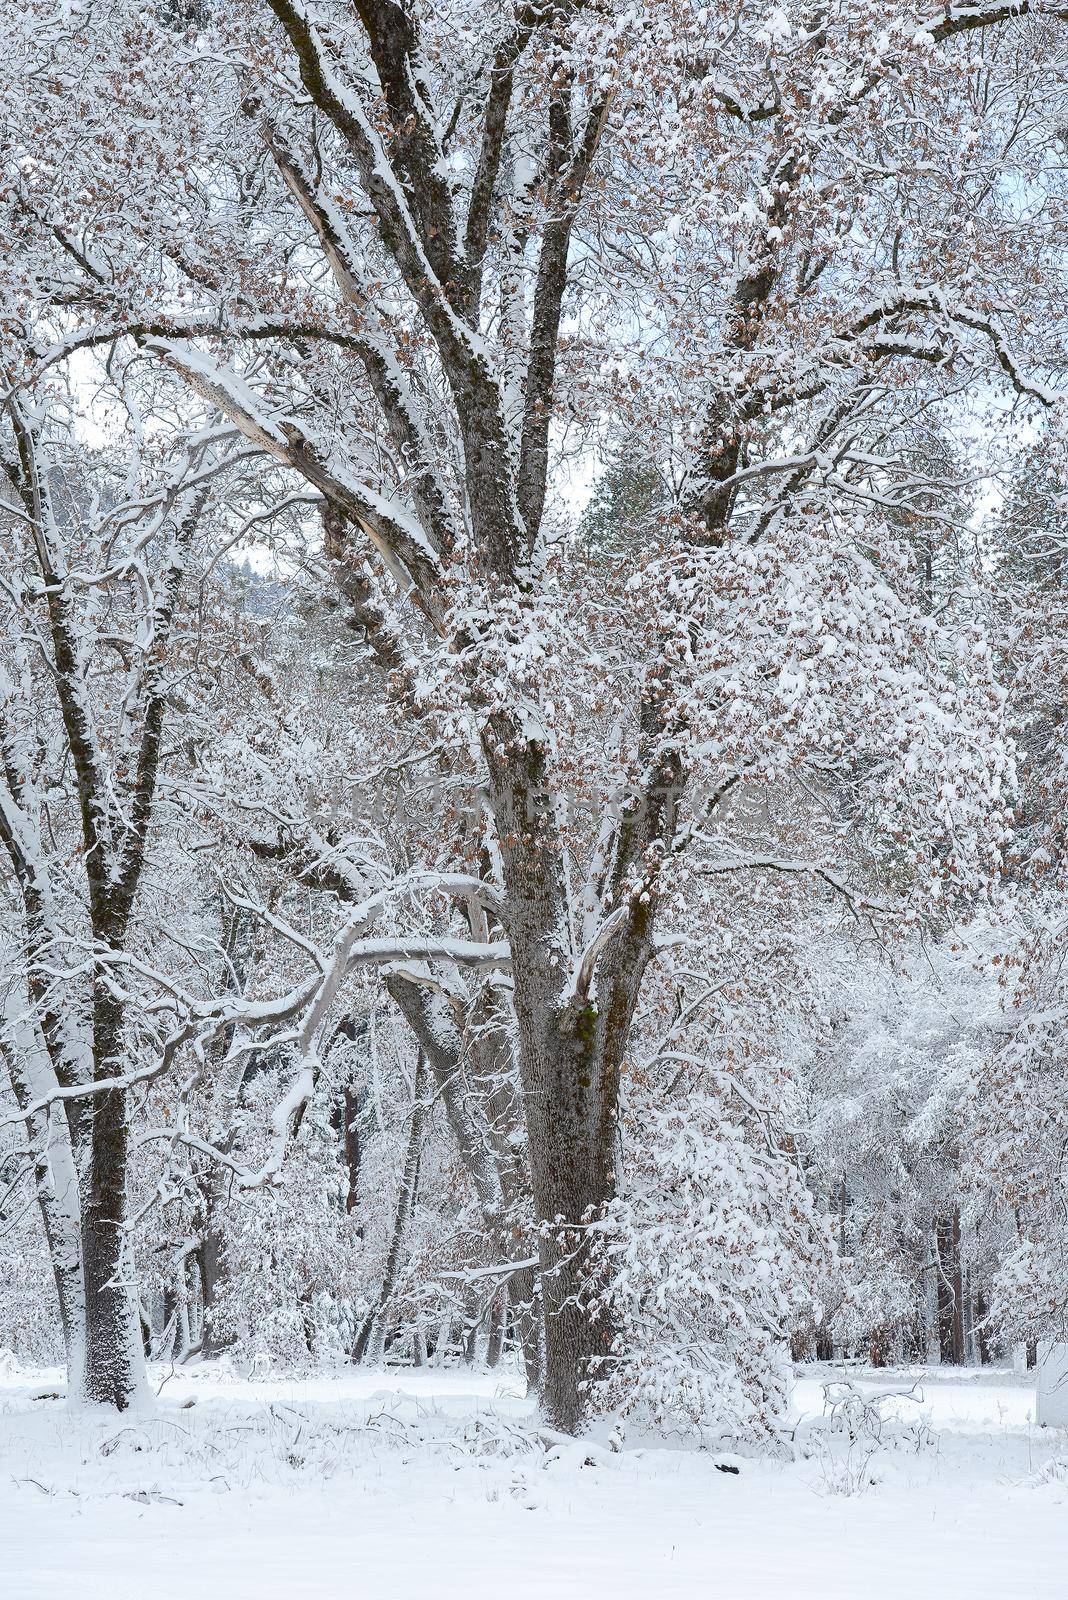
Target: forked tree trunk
x=573 y=1024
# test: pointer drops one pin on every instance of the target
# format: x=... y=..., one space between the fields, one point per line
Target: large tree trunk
x=569 y=1093
x=574 y=1013
x=570 y=1140
x=114 y=1355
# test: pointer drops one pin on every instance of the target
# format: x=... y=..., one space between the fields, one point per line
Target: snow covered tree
x=97 y=546
x=404 y=252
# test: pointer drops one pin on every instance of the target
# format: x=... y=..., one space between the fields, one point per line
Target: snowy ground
x=429 y=1484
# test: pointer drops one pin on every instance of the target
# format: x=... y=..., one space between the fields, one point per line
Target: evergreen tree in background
x=627 y=497
x=1029 y=540
x=933 y=512
x=1031 y=529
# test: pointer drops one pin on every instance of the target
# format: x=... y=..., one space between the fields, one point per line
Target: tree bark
x=114 y=1355
x=573 y=1181
x=350 y=1144
x=950 y=1290
x=213 y=1271
x=498 y=1313
x=982 y=1334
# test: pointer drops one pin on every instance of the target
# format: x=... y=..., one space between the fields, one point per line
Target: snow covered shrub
x=858 y=1427
x=713 y=1248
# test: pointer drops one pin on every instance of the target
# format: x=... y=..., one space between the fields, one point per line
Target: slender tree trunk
x=932 y=1278
x=498 y=1315
x=350 y=1143
x=950 y=1290
x=525 y=1314
x=216 y=1182
x=56 y=1180
x=960 y=1353
x=472 y=1329
x=371 y=1339
x=214 y=1273
x=982 y=1334
x=971 y=1355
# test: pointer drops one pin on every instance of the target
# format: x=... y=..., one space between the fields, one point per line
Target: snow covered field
x=430 y=1484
